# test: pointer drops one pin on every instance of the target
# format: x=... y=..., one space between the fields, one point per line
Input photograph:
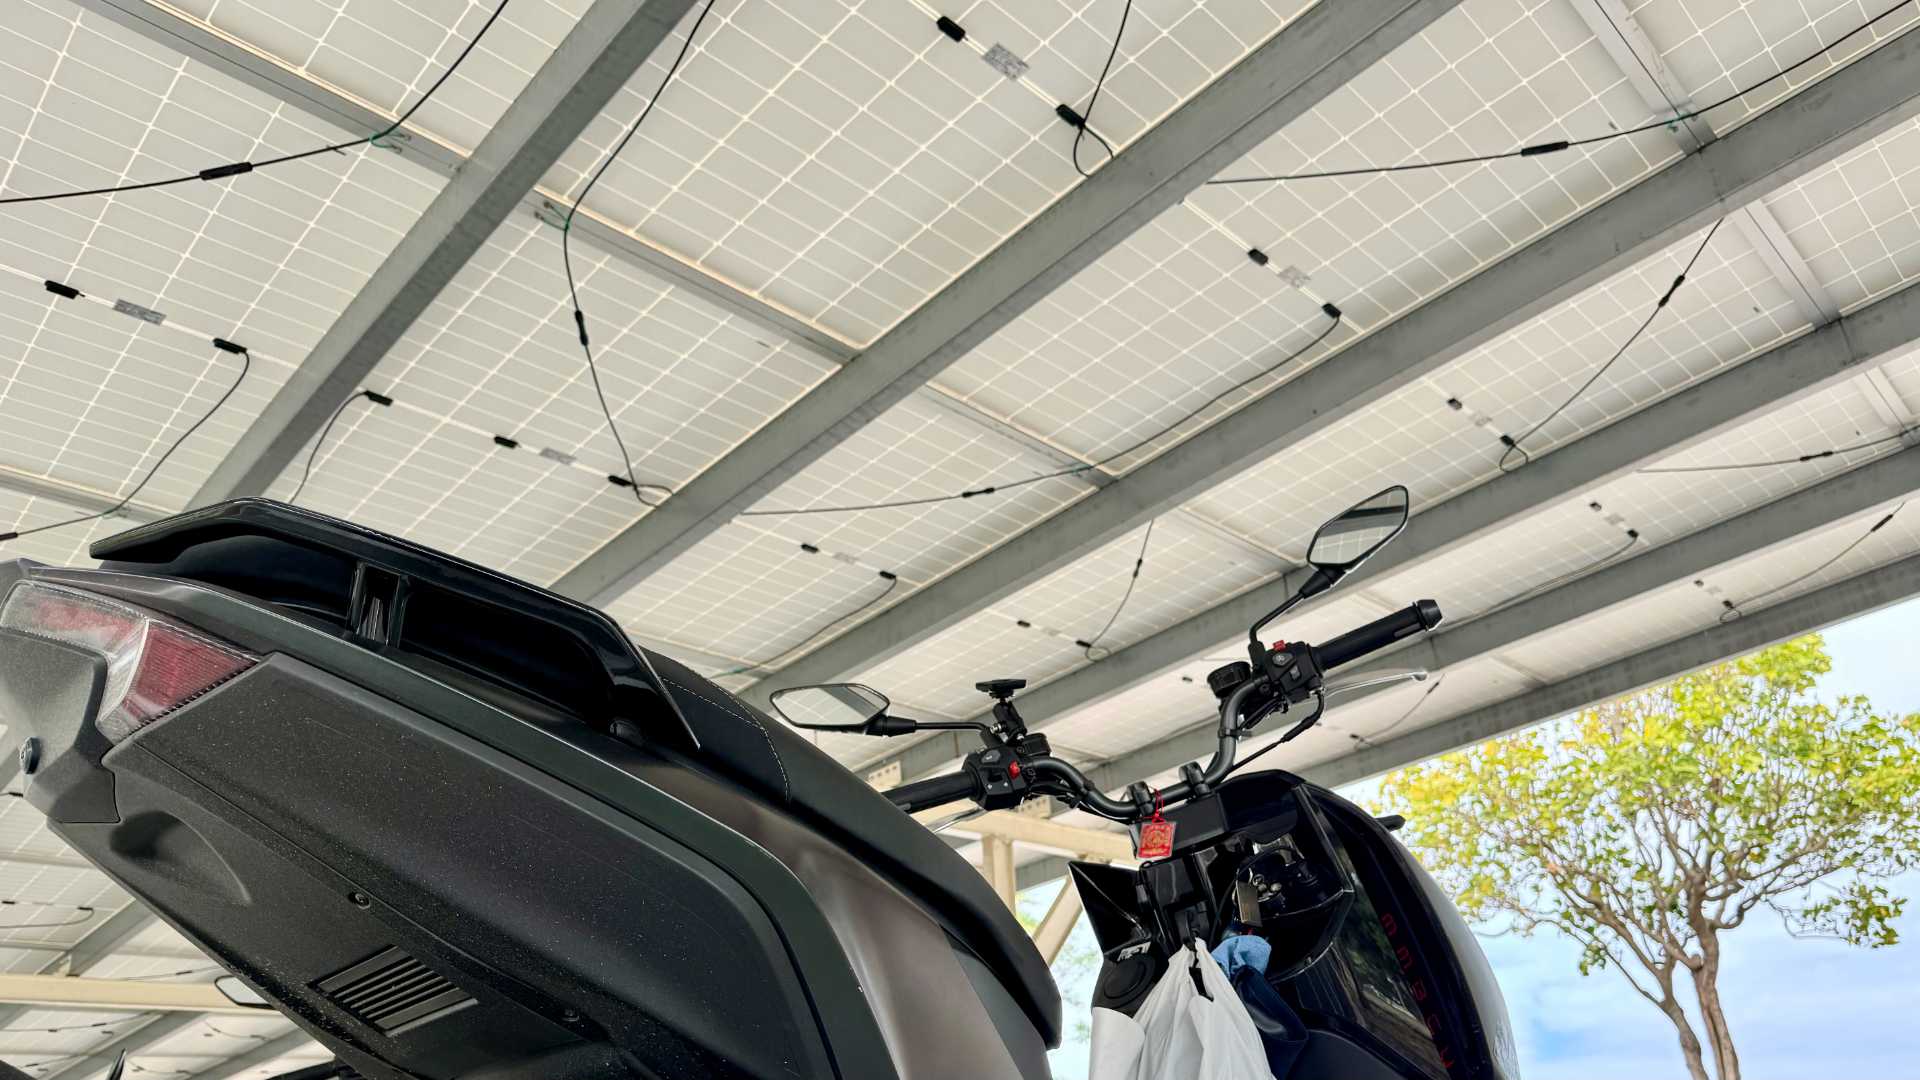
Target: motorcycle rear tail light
x=153 y=666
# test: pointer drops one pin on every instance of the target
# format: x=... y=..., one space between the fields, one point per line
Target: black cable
x=239 y=168
x=893 y=581
x=1084 y=127
x=1778 y=462
x=1732 y=607
x=566 y=260
x=1320 y=707
x=246 y=365
x=1633 y=537
x=83 y=915
x=1332 y=324
x=1513 y=444
x=1558 y=145
x=1139 y=561
x=306 y=471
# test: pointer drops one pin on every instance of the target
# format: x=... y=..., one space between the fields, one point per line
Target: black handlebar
x=935 y=791
x=1252 y=698
x=1378 y=634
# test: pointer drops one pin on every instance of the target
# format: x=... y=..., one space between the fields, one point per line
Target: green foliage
x=1646 y=827
x=1682 y=808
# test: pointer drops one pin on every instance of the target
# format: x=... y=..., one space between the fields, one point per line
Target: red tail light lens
x=153 y=666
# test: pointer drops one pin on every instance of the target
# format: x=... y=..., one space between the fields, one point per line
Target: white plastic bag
x=1178 y=1034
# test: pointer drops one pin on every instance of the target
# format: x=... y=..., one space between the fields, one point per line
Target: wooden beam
x=1096 y=844
x=996 y=861
x=1051 y=935
x=117 y=995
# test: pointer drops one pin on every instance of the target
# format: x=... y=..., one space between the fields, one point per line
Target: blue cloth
x=1243 y=951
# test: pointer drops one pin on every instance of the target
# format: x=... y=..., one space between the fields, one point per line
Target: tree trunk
x=1689 y=1042
x=1713 y=1016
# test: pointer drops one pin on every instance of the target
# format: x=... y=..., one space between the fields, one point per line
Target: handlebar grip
x=934 y=791
x=1380 y=633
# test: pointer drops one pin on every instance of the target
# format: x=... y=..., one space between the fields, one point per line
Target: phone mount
x=1006 y=719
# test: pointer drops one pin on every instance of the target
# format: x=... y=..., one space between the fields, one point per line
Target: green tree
x=1647 y=828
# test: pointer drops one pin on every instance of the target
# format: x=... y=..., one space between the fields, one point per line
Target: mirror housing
x=850 y=708
x=1342 y=544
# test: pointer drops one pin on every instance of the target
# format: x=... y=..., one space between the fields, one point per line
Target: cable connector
x=1259 y=257
x=1331 y=311
x=65 y=291
x=619 y=481
x=1507 y=441
x=1067 y=113
x=229 y=347
x=502 y=440
x=810 y=549
x=221 y=172
x=4 y=537
x=1544 y=148
x=377 y=399
x=979 y=491
x=580 y=320
x=888 y=575
x=1671 y=289
x=950 y=28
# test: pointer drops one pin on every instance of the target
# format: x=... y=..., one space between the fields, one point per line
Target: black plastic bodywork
x=623 y=895
x=1389 y=978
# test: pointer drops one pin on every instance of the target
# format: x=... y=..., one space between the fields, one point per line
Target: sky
x=1799 y=1009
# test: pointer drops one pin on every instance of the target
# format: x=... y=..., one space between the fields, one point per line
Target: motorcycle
x=455 y=826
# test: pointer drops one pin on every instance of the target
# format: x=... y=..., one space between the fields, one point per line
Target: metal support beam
x=597 y=58
x=269 y=1051
x=1620 y=34
x=1319 y=52
x=1848 y=599
x=1789 y=267
x=1848 y=496
x=1805 y=614
x=115 y=995
x=1791 y=372
x=92 y=502
x=1849 y=108
x=95 y=1062
x=95 y=946
x=1058 y=922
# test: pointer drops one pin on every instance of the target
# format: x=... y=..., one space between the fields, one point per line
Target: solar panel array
x=818 y=172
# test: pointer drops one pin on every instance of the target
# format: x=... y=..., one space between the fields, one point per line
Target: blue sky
x=1800 y=1010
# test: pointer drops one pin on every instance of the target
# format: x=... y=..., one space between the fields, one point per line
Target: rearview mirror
x=847 y=707
x=1365 y=527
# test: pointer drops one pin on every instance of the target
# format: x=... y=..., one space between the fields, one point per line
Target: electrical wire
x=1333 y=323
x=1633 y=537
x=1732 y=608
x=1320 y=707
x=246 y=365
x=566 y=259
x=893 y=582
x=1778 y=462
x=1085 y=126
x=1513 y=445
x=1555 y=146
x=306 y=471
x=239 y=168
x=1139 y=561
x=81 y=916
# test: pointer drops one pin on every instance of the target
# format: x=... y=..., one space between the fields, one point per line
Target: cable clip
x=551 y=215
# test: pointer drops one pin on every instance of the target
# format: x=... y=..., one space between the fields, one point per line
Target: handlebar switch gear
x=1000 y=781
x=1293 y=669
